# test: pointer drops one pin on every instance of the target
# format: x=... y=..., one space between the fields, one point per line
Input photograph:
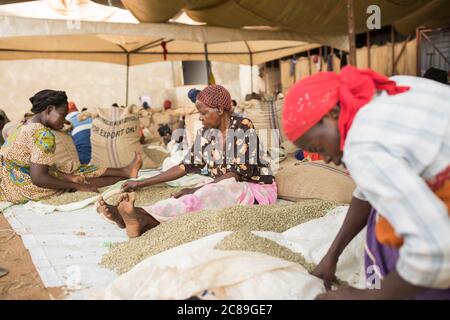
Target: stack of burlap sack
x=303 y=180
x=115 y=135
x=297 y=180
x=266 y=117
x=118 y=132
x=152 y=119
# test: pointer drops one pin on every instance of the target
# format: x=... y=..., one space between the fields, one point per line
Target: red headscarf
x=310 y=99
x=215 y=96
x=167 y=104
x=71 y=106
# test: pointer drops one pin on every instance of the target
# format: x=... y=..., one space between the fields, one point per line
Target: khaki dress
x=30 y=143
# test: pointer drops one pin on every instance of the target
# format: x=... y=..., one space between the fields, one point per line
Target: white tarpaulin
x=66 y=248
x=196 y=267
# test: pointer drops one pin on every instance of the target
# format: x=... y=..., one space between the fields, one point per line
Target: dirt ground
x=23 y=281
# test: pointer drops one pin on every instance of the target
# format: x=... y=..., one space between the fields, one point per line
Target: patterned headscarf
x=215 y=96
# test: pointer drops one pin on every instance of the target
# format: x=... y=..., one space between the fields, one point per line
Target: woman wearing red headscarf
x=393 y=135
x=227 y=148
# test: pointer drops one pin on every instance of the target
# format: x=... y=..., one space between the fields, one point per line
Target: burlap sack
x=8 y=128
x=65 y=158
x=255 y=110
x=144 y=119
x=156 y=153
x=192 y=125
x=170 y=117
x=297 y=181
x=288 y=146
x=115 y=136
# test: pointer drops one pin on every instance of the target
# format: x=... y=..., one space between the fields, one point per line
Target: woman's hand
x=131 y=186
x=326 y=270
x=183 y=192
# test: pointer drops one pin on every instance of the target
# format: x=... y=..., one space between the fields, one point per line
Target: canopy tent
x=90 y=31
x=113 y=35
x=326 y=18
x=59 y=9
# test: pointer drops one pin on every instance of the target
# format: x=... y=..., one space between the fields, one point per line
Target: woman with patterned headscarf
x=393 y=135
x=228 y=148
x=27 y=171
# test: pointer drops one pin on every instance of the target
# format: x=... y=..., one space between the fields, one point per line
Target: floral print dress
x=30 y=143
x=243 y=155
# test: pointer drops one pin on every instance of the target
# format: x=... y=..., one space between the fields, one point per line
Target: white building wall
x=92 y=84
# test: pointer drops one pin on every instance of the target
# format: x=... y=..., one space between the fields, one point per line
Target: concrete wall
x=92 y=84
x=155 y=79
x=245 y=75
x=89 y=84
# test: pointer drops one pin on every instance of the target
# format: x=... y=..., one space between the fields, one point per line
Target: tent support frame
x=351 y=32
x=397 y=59
x=368 y=49
x=393 y=51
x=128 y=79
x=208 y=71
x=251 y=66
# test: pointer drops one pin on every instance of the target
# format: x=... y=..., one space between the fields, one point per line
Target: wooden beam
x=320 y=59
x=401 y=51
x=393 y=50
x=418 y=55
x=351 y=32
x=309 y=63
x=368 y=49
x=295 y=69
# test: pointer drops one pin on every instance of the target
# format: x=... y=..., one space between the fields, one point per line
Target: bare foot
x=131 y=170
x=110 y=212
x=137 y=220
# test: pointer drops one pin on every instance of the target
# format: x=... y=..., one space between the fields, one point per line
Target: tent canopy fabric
x=75 y=9
x=24 y=38
x=114 y=36
x=306 y=17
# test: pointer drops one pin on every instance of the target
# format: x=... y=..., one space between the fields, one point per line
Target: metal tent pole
x=128 y=79
x=208 y=71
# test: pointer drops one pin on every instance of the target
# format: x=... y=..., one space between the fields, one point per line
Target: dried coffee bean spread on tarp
x=193 y=226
